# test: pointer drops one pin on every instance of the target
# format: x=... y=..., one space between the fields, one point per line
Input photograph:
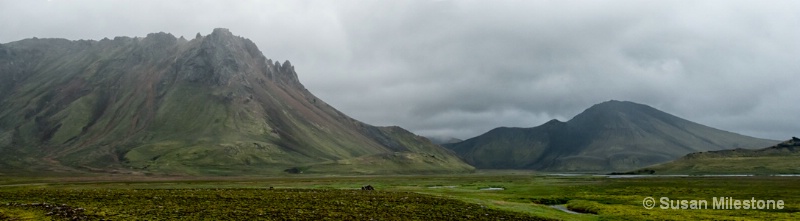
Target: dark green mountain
x=783 y=158
x=160 y=104
x=609 y=136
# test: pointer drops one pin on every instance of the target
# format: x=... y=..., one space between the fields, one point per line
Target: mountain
x=610 y=136
x=778 y=159
x=213 y=105
x=440 y=140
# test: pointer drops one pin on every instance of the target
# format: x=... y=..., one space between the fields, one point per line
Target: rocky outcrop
x=791 y=144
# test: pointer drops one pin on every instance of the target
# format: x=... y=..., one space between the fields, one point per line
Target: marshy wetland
x=520 y=196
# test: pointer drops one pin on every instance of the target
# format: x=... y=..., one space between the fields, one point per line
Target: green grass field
x=525 y=196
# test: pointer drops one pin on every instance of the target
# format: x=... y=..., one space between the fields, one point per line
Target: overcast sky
x=461 y=68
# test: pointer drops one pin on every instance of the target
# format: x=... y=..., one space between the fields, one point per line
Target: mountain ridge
x=780 y=158
x=160 y=104
x=439 y=140
x=608 y=136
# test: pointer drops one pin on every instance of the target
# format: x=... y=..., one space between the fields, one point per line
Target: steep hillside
x=160 y=104
x=783 y=158
x=609 y=136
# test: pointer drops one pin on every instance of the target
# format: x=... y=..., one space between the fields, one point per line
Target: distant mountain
x=783 y=158
x=610 y=136
x=440 y=140
x=206 y=106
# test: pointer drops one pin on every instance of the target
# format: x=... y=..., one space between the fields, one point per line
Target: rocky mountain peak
x=160 y=37
x=221 y=32
x=222 y=37
x=553 y=122
x=159 y=40
x=283 y=73
x=615 y=105
x=287 y=66
x=221 y=56
x=615 y=113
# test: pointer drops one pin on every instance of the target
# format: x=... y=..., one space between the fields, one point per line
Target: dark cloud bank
x=460 y=68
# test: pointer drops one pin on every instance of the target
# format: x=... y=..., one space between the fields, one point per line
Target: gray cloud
x=460 y=68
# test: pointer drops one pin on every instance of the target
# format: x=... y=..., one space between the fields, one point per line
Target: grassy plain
x=526 y=196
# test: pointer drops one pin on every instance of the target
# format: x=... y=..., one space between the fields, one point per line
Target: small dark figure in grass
x=271 y=188
x=367 y=187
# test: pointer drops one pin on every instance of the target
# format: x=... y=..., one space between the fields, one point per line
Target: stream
x=562 y=207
